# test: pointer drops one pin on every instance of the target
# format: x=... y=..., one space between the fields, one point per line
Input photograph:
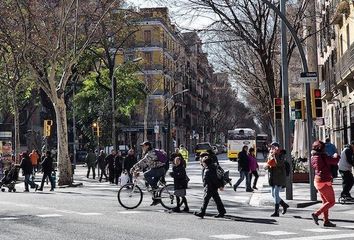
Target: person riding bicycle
x=155 y=168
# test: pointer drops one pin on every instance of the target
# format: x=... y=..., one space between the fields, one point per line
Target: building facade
x=336 y=69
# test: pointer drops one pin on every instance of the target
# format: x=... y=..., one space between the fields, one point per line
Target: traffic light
x=47 y=126
x=96 y=129
x=316 y=103
x=300 y=109
x=278 y=108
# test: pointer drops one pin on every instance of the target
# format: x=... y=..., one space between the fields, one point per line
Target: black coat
x=26 y=165
x=101 y=162
x=211 y=182
x=47 y=165
x=118 y=163
x=179 y=176
x=129 y=162
x=243 y=164
x=110 y=161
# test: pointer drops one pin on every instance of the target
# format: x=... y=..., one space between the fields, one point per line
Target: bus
x=238 y=138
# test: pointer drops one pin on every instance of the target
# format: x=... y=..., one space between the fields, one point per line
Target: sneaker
x=36 y=187
x=315 y=218
x=219 y=215
x=186 y=209
x=249 y=190
x=255 y=188
x=26 y=191
x=199 y=214
x=235 y=188
x=176 y=209
x=154 y=202
x=40 y=189
x=329 y=224
x=52 y=190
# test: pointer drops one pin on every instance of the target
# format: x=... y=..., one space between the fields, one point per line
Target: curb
x=71 y=185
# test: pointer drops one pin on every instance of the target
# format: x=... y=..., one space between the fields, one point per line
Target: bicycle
x=130 y=195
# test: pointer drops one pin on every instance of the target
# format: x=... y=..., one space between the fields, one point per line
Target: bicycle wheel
x=130 y=196
x=167 y=197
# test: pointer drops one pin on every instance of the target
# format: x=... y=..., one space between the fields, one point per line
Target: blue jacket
x=330 y=149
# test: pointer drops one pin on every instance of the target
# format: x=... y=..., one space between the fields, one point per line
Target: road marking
x=325 y=237
x=277 y=233
x=129 y=212
x=321 y=230
x=350 y=227
x=180 y=239
x=90 y=214
x=229 y=236
x=49 y=215
x=9 y=218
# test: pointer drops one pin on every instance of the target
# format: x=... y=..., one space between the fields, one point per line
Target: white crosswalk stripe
x=229 y=236
x=320 y=230
x=49 y=215
x=180 y=239
x=8 y=218
x=129 y=212
x=324 y=237
x=277 y=233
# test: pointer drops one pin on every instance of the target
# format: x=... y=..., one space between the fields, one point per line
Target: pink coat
x=252 y=161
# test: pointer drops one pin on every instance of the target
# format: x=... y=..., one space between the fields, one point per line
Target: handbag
x=124 y=178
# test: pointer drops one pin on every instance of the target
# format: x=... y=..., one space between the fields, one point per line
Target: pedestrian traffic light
x=96 y=129
x=47 y=126
x=278 y=108
x=300 y=109
x=316 y=103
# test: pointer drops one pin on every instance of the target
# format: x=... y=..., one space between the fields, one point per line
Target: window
x=147 y=37
x=341 y=44
x=148 y=59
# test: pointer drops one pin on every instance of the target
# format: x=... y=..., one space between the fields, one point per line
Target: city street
x=92 y=212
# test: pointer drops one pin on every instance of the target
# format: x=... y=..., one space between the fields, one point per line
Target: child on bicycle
x=181 y=179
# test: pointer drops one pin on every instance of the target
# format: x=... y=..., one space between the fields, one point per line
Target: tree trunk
x=64 y=164
x=146 y=113
x=17 y=145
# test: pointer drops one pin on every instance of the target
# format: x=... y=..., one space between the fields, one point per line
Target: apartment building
x=336 y=69
x=176 y=72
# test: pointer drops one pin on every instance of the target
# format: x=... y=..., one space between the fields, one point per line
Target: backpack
x=223 y=176
x=161 y=155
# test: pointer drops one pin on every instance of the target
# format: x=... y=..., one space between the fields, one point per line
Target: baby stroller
x=10 y=178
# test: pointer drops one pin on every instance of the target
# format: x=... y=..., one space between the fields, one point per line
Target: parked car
x=201 y=147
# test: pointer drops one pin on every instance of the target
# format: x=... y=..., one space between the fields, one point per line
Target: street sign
x=308 y=77
x=5 y=135
x=156 y=129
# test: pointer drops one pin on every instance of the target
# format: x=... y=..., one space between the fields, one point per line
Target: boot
x=276 y=211
x=285 y=206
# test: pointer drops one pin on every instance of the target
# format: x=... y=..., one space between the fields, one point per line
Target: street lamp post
x=169 y=111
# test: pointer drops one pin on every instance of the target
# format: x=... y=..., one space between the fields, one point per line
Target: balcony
x=345 y=65
x=341 y=8
x=147 y=44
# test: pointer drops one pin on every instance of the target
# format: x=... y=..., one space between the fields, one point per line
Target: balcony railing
x=345 y=64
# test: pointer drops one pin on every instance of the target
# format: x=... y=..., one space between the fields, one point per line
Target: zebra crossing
x=321 y=234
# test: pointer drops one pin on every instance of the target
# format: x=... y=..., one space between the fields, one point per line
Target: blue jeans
x=243 y=175
x=275 y=194
x=28 y=181
x=153 y=175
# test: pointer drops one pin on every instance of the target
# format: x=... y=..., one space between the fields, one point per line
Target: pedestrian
x=213 y=157
x=180 y=180
x=244 y=169
x=90 y=161
x=110 y=164
x=211 y=185
x=321 y=163
x=184 y=152
x=253 y=165
x=101 y=163
x=47 y=169
x=129 y=162
x=345 y=167
x=34 y=160
x=27 y=170
x=277 y=176
x=118 y=166
x=330 y=148
x=152 y=167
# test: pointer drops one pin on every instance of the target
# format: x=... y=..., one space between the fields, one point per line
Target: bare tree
x=54 y=35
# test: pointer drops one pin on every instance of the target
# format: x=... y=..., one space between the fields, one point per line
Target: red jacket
x=321 y=163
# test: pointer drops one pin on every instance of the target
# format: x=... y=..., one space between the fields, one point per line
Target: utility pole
x=311 y=49
x=285 y=92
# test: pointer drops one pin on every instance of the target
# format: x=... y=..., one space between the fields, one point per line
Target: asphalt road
x=92 y=212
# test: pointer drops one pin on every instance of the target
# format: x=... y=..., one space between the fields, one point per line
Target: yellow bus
x=238 y=138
